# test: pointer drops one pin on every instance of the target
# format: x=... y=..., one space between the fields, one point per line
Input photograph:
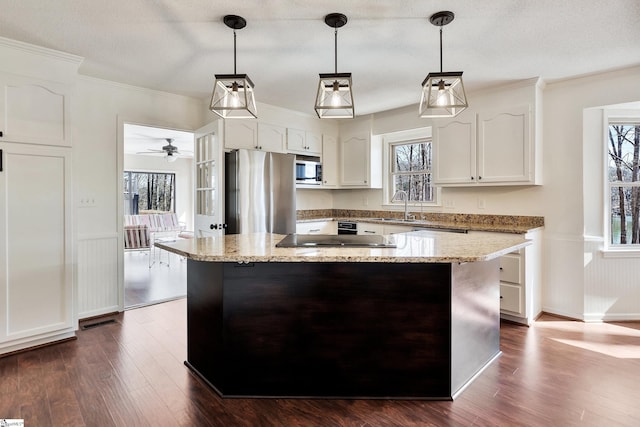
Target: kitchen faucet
x=406 y=200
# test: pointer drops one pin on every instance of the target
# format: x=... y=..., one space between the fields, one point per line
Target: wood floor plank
x=131 y=372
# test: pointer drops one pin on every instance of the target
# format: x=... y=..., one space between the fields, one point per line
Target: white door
x=209 y=182
x=35 y=241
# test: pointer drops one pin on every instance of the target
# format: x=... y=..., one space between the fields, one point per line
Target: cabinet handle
x=370 y=232
x=315 y=230
x=0 y=158
x=1 y=134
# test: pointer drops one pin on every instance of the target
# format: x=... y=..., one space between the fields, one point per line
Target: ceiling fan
x=170 y=151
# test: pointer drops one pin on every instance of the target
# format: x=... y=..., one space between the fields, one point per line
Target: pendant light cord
x=234 y=51
x=441 y=48
x=335 y=50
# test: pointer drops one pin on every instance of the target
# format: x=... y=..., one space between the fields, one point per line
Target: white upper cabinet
x=360 y=157
x=272 y=138
x=504 y=146
x=454 y=150
x=497 y=142
x=34 y=111
x=488 y=147
x=241 y=134
x=304 y=142
x=329 y=161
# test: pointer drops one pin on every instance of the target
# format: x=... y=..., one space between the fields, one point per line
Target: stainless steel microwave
x=308 y=171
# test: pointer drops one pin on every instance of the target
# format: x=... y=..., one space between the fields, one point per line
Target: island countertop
x=412 y=247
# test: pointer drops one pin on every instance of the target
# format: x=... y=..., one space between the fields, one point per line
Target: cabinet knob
x=501 y=296
x=213 y=226
x=500 y=268
x=1 y=134
x=479 y=178
x=471 y=178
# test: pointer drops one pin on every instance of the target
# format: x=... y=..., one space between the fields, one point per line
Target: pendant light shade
x=233 y=95
x=442 y=93
x=335 y=97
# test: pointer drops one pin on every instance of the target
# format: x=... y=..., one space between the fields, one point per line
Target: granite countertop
x=492 y=223
x=413 y=247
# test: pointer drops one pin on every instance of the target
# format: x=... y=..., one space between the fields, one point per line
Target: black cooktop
x=336 y=241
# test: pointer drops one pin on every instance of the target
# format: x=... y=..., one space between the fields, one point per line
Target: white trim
x=97 y=236
x=39 y=50
x=621 y=253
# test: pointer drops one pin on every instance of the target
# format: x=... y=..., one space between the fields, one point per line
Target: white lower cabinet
x=36 y=284
x=520 y=281
x=317 y=227
x=370 y=228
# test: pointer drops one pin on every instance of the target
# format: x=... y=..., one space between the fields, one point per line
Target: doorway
x=157 y=206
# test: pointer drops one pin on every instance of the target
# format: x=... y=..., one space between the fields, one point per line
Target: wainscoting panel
x=97 y=274
x=611 y=285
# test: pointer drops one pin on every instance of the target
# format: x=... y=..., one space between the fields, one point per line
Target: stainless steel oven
x=347 y=227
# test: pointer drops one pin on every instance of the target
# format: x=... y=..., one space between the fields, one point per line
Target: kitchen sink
x=394 y=219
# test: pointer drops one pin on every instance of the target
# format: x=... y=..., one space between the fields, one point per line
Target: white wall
x=99 y=110
x=182 y=167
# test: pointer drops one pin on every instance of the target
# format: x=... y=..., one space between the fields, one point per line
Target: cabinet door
x=296 y=140
x=354 y=161
x=454 y=150
x=504 y=144
x=34 y=112
x=241 y=134
x=315 y=227
x=370 y=228
x=313 y=143
x=272 y=138
x=329 y=161
x=36 y=297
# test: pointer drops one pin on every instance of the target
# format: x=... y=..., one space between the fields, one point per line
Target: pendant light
x=233 y=93
x=335 y=97
x=442 y=93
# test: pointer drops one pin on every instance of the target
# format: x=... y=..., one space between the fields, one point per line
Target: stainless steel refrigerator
x=260 y=192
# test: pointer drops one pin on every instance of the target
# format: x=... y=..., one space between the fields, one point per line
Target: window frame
x=411 y=136
x=154 y=172
x=611 y=249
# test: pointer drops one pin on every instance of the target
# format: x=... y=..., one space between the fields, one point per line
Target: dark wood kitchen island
x=418 y=321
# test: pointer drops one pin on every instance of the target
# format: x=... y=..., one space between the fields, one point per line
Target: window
x=623 y=173
x=411 y=170
x=149 y=191
x=408 y=166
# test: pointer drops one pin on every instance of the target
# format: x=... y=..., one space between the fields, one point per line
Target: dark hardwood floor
x=131 y=373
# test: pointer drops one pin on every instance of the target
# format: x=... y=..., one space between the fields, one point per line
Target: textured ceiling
x=388 y=45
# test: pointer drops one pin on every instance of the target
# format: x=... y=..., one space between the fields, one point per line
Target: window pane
x=151 y=191
x=418 y=187
x=624 y=153
x=625 y=215
x=412 y=157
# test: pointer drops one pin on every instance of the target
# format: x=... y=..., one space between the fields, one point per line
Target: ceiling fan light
x=335 y=97
x=443 y=95
x=233 y=97
x=170 y=158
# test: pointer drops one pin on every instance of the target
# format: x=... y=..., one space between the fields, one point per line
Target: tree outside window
x=146 y=191
x=411 y=170
x=624 y=183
